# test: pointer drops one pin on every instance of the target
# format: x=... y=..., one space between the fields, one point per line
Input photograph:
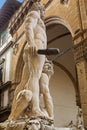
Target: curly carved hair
x=37 y=5
x=48 y=67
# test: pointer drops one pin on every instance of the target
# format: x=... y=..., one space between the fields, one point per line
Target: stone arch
x=59 y=20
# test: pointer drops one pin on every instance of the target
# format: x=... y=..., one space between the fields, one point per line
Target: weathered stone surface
x=5 y=126
x=34 y=124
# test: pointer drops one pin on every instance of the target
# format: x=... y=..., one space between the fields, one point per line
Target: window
x=1 y=74
x=4 y=99
x=0 y=41
x=1 y=100
x=4 y=36
x=1 y=71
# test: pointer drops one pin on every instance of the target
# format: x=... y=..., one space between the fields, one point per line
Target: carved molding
x=48 y=3
x=79 y=33
x=15 y=49
x=80 y=51
x=19 y=16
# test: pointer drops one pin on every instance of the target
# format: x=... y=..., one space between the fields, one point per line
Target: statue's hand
x=33 y=50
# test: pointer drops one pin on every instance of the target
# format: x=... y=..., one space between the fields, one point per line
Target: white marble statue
x=44 y=88
x=44 y=92
x=28 y=89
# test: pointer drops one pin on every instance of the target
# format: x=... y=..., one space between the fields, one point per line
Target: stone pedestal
x=30 y=124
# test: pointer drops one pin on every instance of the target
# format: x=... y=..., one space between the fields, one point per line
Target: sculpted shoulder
x=34 y=14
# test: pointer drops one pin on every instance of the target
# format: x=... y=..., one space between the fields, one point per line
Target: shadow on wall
x=64 y=98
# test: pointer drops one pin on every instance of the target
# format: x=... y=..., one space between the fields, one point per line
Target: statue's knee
x=27 y=94
x=45 y=90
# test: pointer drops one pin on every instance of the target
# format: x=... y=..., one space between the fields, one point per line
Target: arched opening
x=63 y=84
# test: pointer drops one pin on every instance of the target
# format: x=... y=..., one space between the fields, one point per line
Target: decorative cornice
x=79 y=33
x=80 y=51
x=19 y=16
x=48 y=3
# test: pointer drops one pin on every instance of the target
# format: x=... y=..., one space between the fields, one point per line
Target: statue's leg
x=22 y=101
x=48 y=104
x=36 y=68
x=36 y=111
x=44 y=86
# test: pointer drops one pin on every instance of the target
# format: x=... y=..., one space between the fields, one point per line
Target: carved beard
x=48 y=70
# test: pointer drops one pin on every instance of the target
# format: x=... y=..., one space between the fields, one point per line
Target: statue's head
x=48 y=67
x=38 y=6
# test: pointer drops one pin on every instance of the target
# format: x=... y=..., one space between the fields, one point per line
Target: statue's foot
x=11 y=123
x=38 y=113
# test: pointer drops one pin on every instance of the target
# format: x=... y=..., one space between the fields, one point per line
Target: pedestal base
x=30 y=124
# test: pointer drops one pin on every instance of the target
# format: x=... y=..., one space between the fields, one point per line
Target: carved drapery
x=48 y=3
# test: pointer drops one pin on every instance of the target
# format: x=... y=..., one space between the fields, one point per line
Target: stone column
x=80 y=53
